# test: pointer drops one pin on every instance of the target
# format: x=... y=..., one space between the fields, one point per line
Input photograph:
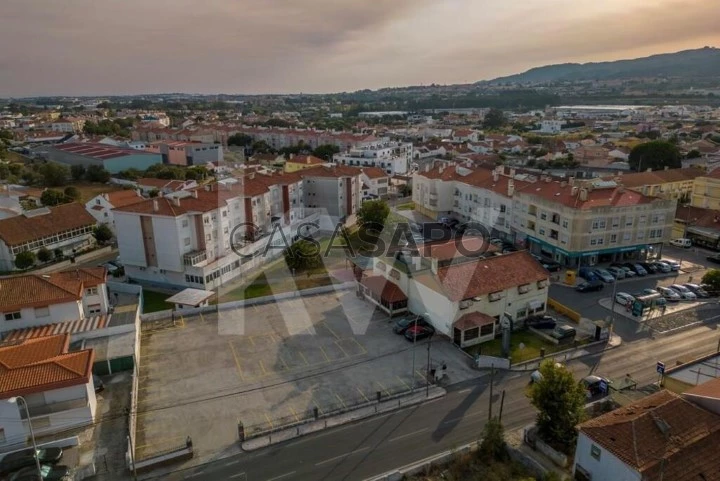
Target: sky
x=117 y=47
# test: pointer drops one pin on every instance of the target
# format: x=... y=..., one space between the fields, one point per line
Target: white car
x=684 y=292
x=681 y=242
x=673 y=264
x=623 y=298
x=669 y=294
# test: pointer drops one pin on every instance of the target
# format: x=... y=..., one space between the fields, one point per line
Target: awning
x=534 y=304
x=384 y=289
x=705 y=232
x=473 y=319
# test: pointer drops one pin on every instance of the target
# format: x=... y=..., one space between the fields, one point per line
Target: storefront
x=591 y=258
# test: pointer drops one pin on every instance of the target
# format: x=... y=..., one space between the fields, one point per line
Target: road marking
x=269 y=421
x=202 y=319
x=197 y=474
x=238 y=475
x=331 y=331
x=401 y=380
x=341 y=401
x=421 y=375
x=362 y=348
x=341 y=348
x=282 y=361
x=362 y=394
x=330 y=460
x=237 y=361
x=282 y=476
x=297 y=418
x=383 y=388
x=233 y=462
x=464 y=391
x=304 y=358
x=407 y=435
x=325 y=354
x=262 y=366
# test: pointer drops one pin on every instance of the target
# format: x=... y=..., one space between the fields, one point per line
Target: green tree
x=44 y=255
x=153 y=193
x=96 y=173
x=492 y=446
x=712 y=279
x=373 y=212
x=25 y=260
x=102 y=234
x=58 y=253
x=494 y=119
x=693 y=154
x=302 y=255
x=655 y=155
x=262 y=147
x=4 y=171
x=197 y=172
x=560 y=401
x=51 y=197
x=240 y=140
x=77 y=171
x=53 y=174
x=72 y=194
x=326 y=151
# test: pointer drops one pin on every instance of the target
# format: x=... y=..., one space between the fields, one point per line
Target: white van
x=681 y=242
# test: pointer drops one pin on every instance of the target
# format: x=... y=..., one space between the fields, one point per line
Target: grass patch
x=530 y=349
x=261 y=287
x=88 y=190
x=154 y=301
x=408 y=206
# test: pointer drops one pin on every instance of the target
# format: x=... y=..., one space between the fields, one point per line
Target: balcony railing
x=54 y=408
x=194 y=258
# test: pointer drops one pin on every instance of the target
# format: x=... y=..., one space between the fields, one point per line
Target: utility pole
x=427 y=371
x=412 y=373
x=612 y=303
x=502 y=402
x=492 y=379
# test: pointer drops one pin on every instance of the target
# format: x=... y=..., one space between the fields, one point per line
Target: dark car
x=714 y=259
x=698 y=290
x=99 y=385
x=595 y=385
x=416 y=333
x=649 y=267
x=20 y=459
x=588 y=274
x=49 y=473
x=591 y=286
x=636 y=268
x=564 y=333
x=402 y=325
x=550 y=265
x=541 y=322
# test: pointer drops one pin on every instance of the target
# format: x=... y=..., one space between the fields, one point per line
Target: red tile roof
x=307 y=160
x=35 y=290
x=19 y=229
x=465 y=246
x=374 y=172
x=160 y=183
x=708 y=389
x=42 y=364
x=473 y=319
x=483 y=276
x=121 y=198
x=656 y=177
x=662 y=436
x=386 y=290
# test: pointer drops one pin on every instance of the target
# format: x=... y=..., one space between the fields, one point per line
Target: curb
x=555 y=354
x=358 y=414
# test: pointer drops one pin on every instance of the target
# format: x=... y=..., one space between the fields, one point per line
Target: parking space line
x=304 y=358
x=325 y=354
x=316 y=404
x=341 y=400
x=383 y=387
x=282 y=361
x=252 y=341
x=269 y=421
x=237 y=361
x=262 y=366
x=331 y=331
x=275 y=338
x=202 y=319
x=403 y=382
x=341 y=348
x=297 y=418
x=362 y=394
x=362 y=348
x=420 y=375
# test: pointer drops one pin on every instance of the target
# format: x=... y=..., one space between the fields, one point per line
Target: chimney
x=548 y=179
x=667 y=167
x=512 y=173
x=648 y=170
x=574 y=190
x=252 y=175
x=583 y=194
x=571 y=180
x=496 y=175
x=156 y=206
x=208 y=188
x=176 y=201
x=563 y=184
x=194 y=193
x=441 y=168
x=511 y=187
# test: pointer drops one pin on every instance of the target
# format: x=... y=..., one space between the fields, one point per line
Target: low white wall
x=490 y=361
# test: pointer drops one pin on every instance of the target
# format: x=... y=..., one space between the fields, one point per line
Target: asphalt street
x=368 y=448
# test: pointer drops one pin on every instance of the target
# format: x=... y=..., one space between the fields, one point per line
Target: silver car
x=618 y=272
x=684 y=292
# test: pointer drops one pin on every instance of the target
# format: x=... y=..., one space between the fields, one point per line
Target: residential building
x=101 y=206
x=668 y=184
x=68 y=125
x=463 y=287
x=337 y=190
x=146 y=185
x=300 y=162
x=393 y=157
x=706 y=190
x=551 y=126
x=465 y=135
x=67 y=229
x=701 y=226
x=31 y=300
x=661 y=437
x=689 y=373
x=186 y=153
x=112 y=159
x=54 y=382
x=375 y=183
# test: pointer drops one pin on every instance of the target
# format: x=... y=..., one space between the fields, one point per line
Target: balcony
x=54 y=408
x=532 y=210
x=194 y=258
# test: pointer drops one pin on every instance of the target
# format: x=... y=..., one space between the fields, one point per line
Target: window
x=593 y=241
x=13 y=316
x=564 y=239
x=91 y=291
x=640 y=234
x=543 y=216
x=616 y=222
x=642 y=220
x=613 y=238
x=595 y=452
x=42 y=311
x=565 y=224
x=627 y=236
x=541 y=231
x=628 y=222
x=521 y=313
x=186 y=241
x=487 y=330
x=471 y=334
x=185 y=223
x=94 y=309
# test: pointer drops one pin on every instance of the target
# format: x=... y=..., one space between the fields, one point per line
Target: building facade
x=393 y=157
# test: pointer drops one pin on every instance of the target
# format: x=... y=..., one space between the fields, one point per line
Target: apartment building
x=68 y=125
x=337 y=190
x=300 y=162
x=669 y=183
x=101 y=206
x=187 y=153
x=393 y=157
x=375 y=183
x=573 y=222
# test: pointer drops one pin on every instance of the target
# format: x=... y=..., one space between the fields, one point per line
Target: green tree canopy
x=712 y=279
x=102 y=233
x=25 y=260
x=326 y=151
x=53 y=174
x=373 y=212
x=44 y=255
x=96 y=173
x=693 y=154
x=492 y=446
x=303 y=255
x=262 y=147
x=72 y=194
x=655 y=155
x=51 y=197
x=560 y=401
x=240 y=140
x=494 y=119
x=77 y=171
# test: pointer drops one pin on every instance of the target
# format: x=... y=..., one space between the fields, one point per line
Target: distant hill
x=703 y=62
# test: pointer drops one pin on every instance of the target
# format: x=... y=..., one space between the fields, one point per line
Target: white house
x=54 y=384
x=660 y=437
x=376 y=181
x=393 y=157
x=101 y=206
x=551 y=126
x=32 y=300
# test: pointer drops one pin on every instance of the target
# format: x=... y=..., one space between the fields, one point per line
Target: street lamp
x=21 y=400
x=412 y=373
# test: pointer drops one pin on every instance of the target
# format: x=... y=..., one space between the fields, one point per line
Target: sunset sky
x=91 y=47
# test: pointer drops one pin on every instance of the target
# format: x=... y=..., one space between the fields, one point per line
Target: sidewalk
x=671 y=308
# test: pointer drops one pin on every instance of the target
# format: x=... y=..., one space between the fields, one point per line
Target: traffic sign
x=660 y=368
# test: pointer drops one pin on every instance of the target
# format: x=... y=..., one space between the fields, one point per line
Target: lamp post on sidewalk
x=21 y=400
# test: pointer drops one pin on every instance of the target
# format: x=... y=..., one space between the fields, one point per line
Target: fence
x=564 y=310
x=56 y=266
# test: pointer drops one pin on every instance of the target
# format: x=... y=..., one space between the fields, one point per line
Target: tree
x=25 y=260
x=261 y=147
x=96 y=173
x=44 y=255
x=373 y=212
x=77 y=171
x=712 y=279
x=326 y=151
x=240 y=140
x=52 y=197
x=303 y=255
x=153 y=193
x=4 y=171
x=492 y=446
x=72 y=194
x=560 y=401
x=58 y=253
x=102 y=233
x=494 y=119
x=54 y=175
x=655 y=155
x=693 y=154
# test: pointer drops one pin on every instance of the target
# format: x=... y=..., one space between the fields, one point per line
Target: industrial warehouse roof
x=98 y=151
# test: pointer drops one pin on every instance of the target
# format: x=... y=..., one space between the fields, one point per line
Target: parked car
x=715 y=259
x=649 y=267
x=629 y=272
x=590 y=286
x=684 y=292
x=402 y=324
x=681 y=243
x=662 y=267
x=550 y=265
x=541 y=321
x=649 y=291
x=698 y=290
x=623 y=298
x=594 y=385
x=564 y=333
x=416 y=333
x=20 y=459
x=498 y=242
x=669 y=294
x=110 y=267
x=604 y=275
x=674 y=265
x=636 y=268
x=587 y=273
x=618 y=272
x=99 y=385
x=49 y=472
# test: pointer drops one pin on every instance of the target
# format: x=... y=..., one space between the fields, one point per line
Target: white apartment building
x=101 y=206
x=68 y=125
x=575 y=223
x=375 y=183
x=393 y=157
x=337 y=190
x=551 y=126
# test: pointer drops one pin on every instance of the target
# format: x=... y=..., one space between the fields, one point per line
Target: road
x=371 y=447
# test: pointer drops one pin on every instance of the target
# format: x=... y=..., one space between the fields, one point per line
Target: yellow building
x=687 y=374
x=706 y=191
x=667 y=184
x=300 y=162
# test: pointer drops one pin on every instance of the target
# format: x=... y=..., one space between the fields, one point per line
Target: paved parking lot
x=273 y=364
